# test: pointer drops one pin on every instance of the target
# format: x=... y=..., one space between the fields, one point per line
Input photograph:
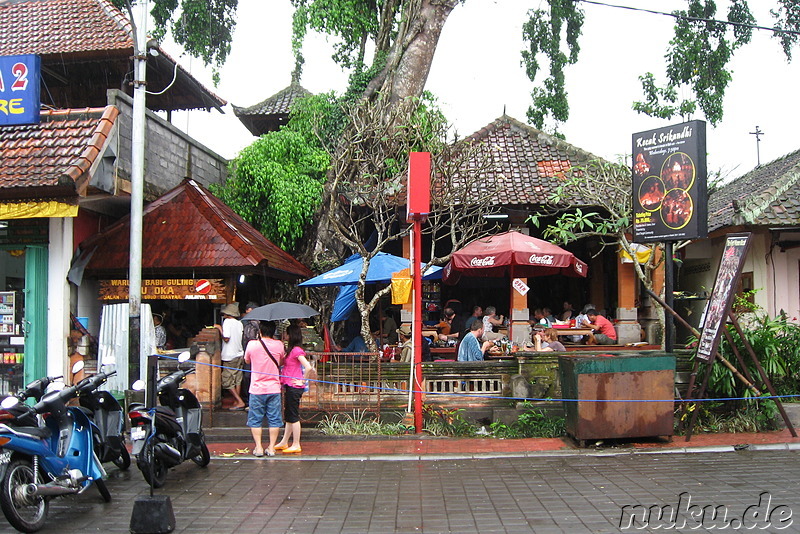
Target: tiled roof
x=54 y=155
x=86 y=48
x=271 y=113
x=525 y=164
x=189 y=229
x=48 y=27
x=769 y=195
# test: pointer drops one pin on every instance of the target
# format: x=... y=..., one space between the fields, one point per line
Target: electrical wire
x=692 y=19
x=164 y=90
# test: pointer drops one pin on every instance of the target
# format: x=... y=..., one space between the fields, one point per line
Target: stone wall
x=170 y=154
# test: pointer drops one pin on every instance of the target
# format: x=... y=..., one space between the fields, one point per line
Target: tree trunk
x=411 y=74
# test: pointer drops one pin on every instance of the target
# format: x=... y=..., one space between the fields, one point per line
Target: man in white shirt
x=232 y=354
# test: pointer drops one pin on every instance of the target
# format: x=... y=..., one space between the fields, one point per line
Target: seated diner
x=547 y=341
x=603 y=332
x=471 y=349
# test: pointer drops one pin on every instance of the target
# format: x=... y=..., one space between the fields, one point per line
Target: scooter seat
x=37 y=431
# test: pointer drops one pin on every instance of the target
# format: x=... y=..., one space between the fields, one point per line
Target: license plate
x=138 y=433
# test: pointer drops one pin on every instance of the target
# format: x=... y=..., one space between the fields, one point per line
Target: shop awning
x=40 y=208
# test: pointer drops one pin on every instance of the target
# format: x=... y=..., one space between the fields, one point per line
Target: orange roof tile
x=47 y=27
x=189 y=229
x=53 y=158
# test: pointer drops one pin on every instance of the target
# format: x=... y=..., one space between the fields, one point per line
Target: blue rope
x=491 y=397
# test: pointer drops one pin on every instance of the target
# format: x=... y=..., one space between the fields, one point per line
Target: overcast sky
x=477 y=74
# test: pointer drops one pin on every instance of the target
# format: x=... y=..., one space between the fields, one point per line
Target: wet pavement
x=466 y=485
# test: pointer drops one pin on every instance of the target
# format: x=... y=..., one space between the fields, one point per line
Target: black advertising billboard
x=730 y=267
x=669 y=183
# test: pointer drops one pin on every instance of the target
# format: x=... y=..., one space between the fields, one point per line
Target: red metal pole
x=417 y=322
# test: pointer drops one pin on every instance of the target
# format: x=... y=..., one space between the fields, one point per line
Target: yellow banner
x=31 y=210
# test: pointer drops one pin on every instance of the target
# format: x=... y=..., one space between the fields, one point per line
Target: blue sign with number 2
x=19 y=89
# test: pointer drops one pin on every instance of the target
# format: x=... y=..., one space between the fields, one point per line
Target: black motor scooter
x=177 y=434
x=107 y=414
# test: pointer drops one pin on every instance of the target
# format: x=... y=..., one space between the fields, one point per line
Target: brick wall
x=170 y=154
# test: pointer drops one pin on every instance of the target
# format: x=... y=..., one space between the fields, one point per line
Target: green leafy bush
x=532 y=423
x=755 y=416
x=776 y=343
x=440 y=421
x=360 y=422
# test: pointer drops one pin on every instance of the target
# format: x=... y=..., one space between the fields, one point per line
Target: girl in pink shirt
x=295 y=370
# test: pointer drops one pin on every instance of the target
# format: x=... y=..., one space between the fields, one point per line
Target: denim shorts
x=266 y=405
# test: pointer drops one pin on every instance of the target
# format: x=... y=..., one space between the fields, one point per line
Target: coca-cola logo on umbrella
x=545 y=259
x=488 y=261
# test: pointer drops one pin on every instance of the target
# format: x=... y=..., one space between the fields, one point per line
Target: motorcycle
x=166 y=435
x=107 y=414
x=38 y=463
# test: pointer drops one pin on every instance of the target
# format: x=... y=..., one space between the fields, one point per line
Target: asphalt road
x=552 y=493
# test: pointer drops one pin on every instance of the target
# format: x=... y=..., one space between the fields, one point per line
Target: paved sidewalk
x=549 y=494
x=316 y=447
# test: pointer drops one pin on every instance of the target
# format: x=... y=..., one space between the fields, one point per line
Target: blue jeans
x=266 y=405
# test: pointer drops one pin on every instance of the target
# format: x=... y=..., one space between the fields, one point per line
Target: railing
x=348 y=382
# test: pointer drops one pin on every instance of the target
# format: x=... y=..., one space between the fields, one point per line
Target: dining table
x=573 y=331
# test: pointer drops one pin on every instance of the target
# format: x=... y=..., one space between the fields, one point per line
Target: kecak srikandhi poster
x=669 y=183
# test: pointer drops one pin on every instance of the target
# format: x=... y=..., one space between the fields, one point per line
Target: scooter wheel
x=103 y=489
x=159 y=471
x=204 y=457
x=26 y=514
x=123 y=461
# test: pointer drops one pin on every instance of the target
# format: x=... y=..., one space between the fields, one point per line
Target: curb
x=405 y=457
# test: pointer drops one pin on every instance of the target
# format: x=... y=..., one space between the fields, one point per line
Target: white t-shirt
x=232 y=329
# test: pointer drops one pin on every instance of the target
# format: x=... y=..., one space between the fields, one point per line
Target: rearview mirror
x=139 y=385
x=77 y=367
x=184 y=356
x=9 y=402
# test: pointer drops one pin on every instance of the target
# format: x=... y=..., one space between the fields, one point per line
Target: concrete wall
x=170 y=154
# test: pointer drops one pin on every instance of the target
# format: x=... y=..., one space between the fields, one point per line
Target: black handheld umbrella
x=278 y=311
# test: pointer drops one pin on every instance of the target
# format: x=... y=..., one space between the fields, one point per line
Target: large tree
x=203 y=27
x=697 y=57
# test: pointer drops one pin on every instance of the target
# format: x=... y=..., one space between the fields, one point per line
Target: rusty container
x=587 y=381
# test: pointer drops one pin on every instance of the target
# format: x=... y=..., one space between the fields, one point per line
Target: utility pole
x=758 y=133
x=137 y=193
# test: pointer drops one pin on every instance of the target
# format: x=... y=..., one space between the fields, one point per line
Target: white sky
x=477 y=73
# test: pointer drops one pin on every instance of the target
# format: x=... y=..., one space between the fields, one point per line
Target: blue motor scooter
x=38 y=463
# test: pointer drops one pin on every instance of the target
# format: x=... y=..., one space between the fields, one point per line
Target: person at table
x=490 y=320
x=404 y=333
x=456 y=325
x=540 y=318
x=567 y=312
x=548 y=315
x=388 y=332
x=477 y=315
x=547 y=341
x=603 y=332
x=471 y=349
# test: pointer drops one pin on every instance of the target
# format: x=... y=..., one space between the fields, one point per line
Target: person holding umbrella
x=266 y=357
x=231 y=331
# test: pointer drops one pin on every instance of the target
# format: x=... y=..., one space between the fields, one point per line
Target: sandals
x=280 y=447
x=258 y=454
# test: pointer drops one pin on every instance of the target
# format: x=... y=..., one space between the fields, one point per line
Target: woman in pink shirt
x=295 y=371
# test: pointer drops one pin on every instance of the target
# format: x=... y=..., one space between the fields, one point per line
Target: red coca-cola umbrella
x=512 y=254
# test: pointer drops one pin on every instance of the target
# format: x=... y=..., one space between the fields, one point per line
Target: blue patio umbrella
x=381 y=267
